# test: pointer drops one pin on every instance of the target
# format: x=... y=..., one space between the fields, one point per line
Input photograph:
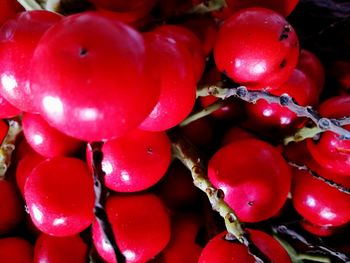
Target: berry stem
x=185 y=152
x=100 y=198
x=8 y=145
x=203 y=113
x=324 y=124
x=30 y=5
x=302 y=134
x=208 y=6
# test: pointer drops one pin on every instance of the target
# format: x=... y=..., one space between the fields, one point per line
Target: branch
x=283 y=229
x=30 y=5
x=100 y=198
x=8 y=145
x=184 y=151
x=324 y=124
x=208 y=6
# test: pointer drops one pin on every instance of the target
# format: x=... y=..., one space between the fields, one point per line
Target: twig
x=30 y=5
x=100 y=198
x=8 y=145
x=283 y=229
x=324 y=124
x=184 y=151
x=208 y=6
x=331 y=183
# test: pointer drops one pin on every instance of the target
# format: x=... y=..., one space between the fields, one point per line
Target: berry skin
x=71 y=249
x=8 y=9
x=7 y=110
x=247 y=172
x=220 y=250
x=60 y=197
x=15 y=250
x=173 y=63
x=46 y=140
x=330 y=151
x=11 y=207
x=135 y=161
x=140 y=225
x=103 y=62
x=314 y=200
x=18 y=40
x=3 y=130
x=257 y=48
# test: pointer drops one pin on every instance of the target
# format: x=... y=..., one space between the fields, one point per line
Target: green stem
x=208 y=6
x=203 y=113
x=52 y=5
x=302 y=134
x=30 y=5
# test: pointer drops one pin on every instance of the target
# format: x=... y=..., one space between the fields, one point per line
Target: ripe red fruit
x=4 y=127
x=220 y=250
x=8 y=9
x=7 y=110
x=18 y=40
x=140 y=225
x=106 y=77
x=173 y=63
x=314 y=200
x=46 y=140
x=135 y=161
x=247 y=172
x=71 y=249
x=11 y=207
x=15 y=250
x=257 y=47
x=272 y=115
x=25 y=167
x=329 y=150
x=312 y=67
x=60 y=197
x=187 y=38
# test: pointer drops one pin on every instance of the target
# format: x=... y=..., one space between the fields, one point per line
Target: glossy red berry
x=46 y=140
x=236 y=134
x=4 y=127
x=314 y=200
x=60 y=197
x=25 y=167
x=265 y=65
x=18 y=39
x=247 y=172
x=141 y=226
x=187 y=38
x=7 y=110
x=15 y=250
x=330 y=151
x=272 y=115
x=71 y=249
x=220 y=250
x=106 y=77
x=173 y=63
x=11 y=207
x=311 y=65
x=8 y=9
x=320 y=231
x=136 y=161
x=341 y=71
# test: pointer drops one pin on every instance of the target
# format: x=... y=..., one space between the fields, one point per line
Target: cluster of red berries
x=99 y=76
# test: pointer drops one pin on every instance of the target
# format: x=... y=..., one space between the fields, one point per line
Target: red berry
x=45 y=139
x=247 y=172
x=136 y=161
x=60 y=197
x=220 y=250
x=15 y=250
x=265 y=65
x=7 y=110
x=106 y=77
x=8 y=9
x=11 y=207
x=314 y=200
x=18 y=39
x=71 y=249
x=4 y=127
x=173 y=63
x=140 y=225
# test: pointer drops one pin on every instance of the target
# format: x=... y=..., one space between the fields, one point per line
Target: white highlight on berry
x=129 y=255
x=37 y=214
x=59 y=221
x=328 y=214
x=38 y=139
x=311 y=202
x=8 y=82
x=88 y=114
x=107 y=167
x=125 y=176
x=53 y=106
